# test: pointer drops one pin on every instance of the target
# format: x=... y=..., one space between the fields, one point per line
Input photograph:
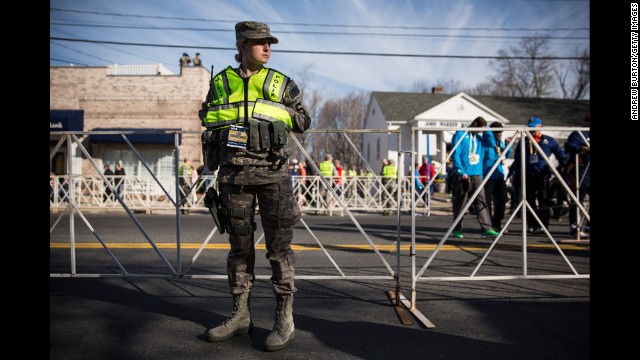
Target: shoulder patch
x=295 y=91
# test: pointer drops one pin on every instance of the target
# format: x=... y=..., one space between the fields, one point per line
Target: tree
x=312 y=100
x=529 y=76
x=574 y=79
x=483 y=88
x=450 y=86
x=344 y=113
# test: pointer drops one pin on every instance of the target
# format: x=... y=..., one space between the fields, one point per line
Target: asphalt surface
x=166 y=317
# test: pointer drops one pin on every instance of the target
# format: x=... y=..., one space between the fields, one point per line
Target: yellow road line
x=429 y=247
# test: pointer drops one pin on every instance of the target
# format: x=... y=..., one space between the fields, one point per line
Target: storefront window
x=159 y=161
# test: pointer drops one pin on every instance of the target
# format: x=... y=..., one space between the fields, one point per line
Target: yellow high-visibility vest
x=184 y=169
x=326 y=168
x=262 y=97
x=390 y=171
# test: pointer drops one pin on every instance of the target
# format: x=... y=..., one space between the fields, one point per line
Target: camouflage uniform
x=246 y=175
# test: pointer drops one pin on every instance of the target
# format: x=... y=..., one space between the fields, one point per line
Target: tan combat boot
x=283 y=330
x=239 y=322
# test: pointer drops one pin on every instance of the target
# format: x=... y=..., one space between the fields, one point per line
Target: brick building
x=127 y=97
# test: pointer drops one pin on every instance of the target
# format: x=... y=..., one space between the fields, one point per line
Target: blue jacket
x=574 y=146
x=419 y=186
x=549 y=145
x=471 y=147
x=491 y=155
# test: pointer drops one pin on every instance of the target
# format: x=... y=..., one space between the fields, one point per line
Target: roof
x=399 y=106
x=132 y=70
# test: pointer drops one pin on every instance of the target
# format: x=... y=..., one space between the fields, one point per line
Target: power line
x=112 y=48
x=327 y=52
x=321 y=25
x=318 y=32
x=81 y=52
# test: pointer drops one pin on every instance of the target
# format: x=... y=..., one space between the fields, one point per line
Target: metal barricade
x=73 y=193
x=417 y=275
x=134 y=194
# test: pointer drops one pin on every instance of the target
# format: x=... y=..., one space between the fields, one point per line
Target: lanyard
x=473 y=144
x=531 y=148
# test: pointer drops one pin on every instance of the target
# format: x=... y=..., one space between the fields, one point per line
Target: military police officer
x=248 y=113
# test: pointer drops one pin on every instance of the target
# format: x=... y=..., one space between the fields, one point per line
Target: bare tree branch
x=530 y=76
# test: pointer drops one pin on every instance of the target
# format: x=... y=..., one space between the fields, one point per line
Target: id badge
x=237 y=137
x=533 y=159
x=474 y=159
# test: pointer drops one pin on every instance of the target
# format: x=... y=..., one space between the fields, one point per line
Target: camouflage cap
x=246 y=30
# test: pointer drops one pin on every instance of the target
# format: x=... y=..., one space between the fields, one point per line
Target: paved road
x=157 y=318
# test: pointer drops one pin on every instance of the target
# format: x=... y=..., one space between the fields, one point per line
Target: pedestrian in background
x=537 y=173
x=339 y=179
x=197 y=61
x=120 y=174
x=108 y=173
x=427 y=172
x=418 y=181
x=328 y=170
x=52 y=185
x=467 y=177
x=185 y=60
x=576 y=146
x=185 y=173
x=495 y=188
x=389 y=180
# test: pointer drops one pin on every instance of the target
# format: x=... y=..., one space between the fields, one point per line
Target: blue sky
x=475 y=28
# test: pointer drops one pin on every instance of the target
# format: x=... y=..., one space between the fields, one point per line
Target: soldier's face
x=258 y=51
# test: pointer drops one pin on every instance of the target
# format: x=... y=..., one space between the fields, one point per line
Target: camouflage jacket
x=262 y=167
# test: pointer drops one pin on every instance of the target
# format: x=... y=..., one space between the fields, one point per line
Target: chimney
x=436 y=90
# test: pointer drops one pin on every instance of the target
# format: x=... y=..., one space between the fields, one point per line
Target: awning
x=66 y=120
x=144 y=136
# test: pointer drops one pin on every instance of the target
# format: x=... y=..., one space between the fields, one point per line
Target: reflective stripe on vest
x=326 y=168
x=264 y=95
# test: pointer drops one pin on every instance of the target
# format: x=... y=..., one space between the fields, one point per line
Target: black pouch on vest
x=210 y=149
x=279 y=133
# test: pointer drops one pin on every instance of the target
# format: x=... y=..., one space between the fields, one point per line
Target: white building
x=402 y=111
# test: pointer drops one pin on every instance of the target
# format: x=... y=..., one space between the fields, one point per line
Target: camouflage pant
x=279 y=211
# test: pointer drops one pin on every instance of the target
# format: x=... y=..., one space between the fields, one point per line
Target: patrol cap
x=247 y=30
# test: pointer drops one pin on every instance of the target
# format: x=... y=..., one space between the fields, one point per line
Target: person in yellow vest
x=185 y=171
x=249 y=113
x=389 y=180
x=351 y=182
x=328 y=170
